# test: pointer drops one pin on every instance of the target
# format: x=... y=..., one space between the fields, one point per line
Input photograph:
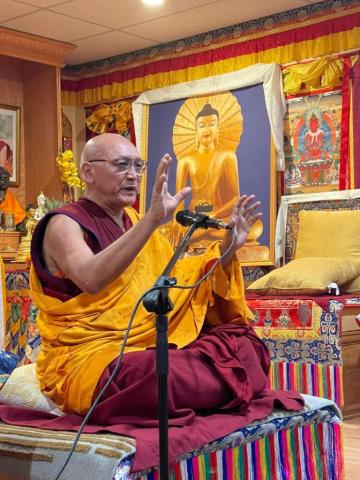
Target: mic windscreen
x=185 y=217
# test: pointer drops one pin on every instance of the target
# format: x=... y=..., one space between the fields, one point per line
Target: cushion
x=327 y=233
x=307 y=276
x=22 y=389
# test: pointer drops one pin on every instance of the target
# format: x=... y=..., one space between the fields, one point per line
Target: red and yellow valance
x=323 y=36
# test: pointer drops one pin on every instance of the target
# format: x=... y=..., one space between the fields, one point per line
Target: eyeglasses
x=123 y=165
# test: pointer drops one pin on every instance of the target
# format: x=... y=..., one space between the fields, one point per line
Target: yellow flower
x=68 y=169
x=68 y=155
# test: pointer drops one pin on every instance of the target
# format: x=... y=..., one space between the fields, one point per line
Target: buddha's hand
x=163 y=204
x=242 y=219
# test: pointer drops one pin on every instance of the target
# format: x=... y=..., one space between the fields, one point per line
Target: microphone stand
x=158 y=302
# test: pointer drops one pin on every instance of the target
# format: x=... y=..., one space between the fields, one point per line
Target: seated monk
x=92 y=260
x=8 y=202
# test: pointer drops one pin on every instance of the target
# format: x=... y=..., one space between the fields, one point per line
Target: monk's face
x=207 y=130
x=118 y=189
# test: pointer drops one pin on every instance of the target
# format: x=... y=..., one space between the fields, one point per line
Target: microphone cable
x=123 y=345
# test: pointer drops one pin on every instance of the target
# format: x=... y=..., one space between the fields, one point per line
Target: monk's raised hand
x=242 y=219
x=163 y=204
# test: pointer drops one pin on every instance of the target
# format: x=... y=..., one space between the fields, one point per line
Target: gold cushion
x=307 y=276
x=328 y=233
x=22 y=389
x=351 y=287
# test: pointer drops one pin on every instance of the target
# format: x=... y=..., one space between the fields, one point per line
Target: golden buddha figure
x=206 y=135
x=25 y=244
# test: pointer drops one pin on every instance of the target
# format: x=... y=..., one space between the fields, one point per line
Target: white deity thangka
x=41 y=208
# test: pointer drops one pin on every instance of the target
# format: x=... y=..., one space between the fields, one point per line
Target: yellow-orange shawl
x=81 y=336
x=11 y=205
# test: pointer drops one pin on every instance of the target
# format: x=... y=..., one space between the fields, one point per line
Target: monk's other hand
x=242 y=219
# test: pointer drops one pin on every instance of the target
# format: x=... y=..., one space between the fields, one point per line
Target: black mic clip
x=158 y=300
x=201 y=220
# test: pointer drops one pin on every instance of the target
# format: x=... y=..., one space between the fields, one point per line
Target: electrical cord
x=123 y=345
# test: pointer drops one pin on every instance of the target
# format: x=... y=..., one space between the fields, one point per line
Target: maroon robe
x=216 y=385
x=100 y=231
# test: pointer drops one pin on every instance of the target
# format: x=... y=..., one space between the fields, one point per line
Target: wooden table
x=9 y=244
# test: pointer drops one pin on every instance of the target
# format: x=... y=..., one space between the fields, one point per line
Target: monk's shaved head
x=102 y=146
x=106 y=149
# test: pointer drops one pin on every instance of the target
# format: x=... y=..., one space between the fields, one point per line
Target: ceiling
x=105 y=28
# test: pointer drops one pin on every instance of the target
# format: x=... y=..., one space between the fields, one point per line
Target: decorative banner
x=312 y=143
x=114 y=118
x=312 y=31
x=208 y=127
x=318 y=74
x=109 y=118
x=67 y=135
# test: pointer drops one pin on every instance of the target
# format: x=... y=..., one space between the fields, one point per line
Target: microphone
x=186 y=218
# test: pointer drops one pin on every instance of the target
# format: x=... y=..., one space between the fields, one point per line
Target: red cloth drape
x=355 y=77
x=344 y=171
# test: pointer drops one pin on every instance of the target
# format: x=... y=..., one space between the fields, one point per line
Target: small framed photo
x=10 y=141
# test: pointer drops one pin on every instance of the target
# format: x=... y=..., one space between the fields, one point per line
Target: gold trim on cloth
x=279 y=333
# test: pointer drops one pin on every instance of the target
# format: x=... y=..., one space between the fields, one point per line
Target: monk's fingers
x=240 y=203
x=253 y=219
x=246 y=210
x=165 y=186
x=159 y=184
x=243 y=203
x=162 y=169
x=162 y=174
x=250 y=209
x=182 y=194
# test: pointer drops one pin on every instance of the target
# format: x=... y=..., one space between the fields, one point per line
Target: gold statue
x=25 y=244
x=206 y=134
x=41 y=208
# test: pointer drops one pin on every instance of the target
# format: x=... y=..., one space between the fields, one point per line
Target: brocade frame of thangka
x=165 y=123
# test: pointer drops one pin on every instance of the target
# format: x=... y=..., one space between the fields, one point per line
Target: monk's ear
x=87 y=173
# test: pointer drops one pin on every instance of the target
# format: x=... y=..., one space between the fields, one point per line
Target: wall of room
x=12 y=93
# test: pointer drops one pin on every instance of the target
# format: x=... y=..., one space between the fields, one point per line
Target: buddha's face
x=207 y=130
x=31 y=212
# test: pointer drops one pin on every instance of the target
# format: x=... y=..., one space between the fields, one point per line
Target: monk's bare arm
x=65 y=249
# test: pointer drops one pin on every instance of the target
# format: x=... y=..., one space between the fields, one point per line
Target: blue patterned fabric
x=8 y=363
